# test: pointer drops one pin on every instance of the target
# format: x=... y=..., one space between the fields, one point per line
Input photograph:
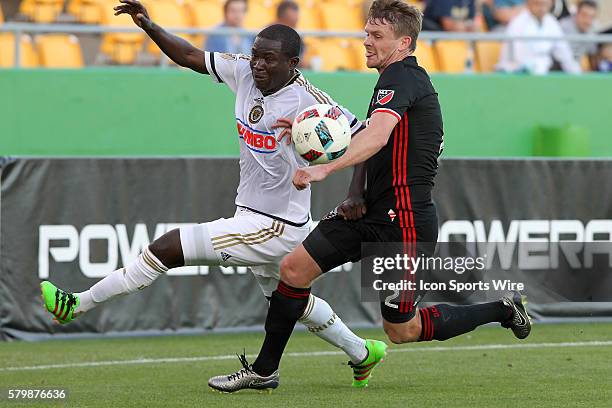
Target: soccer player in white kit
x=272 y=217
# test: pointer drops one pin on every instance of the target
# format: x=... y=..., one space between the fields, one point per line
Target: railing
x=23 y=28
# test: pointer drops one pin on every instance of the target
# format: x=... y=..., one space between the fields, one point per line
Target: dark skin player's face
x=271 y=69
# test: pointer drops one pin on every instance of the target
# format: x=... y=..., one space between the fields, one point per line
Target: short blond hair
x=406 y=20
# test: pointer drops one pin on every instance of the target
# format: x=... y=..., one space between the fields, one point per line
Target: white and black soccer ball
x=321 y=133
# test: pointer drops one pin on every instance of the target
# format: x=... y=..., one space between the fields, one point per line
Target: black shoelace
x=246 y=368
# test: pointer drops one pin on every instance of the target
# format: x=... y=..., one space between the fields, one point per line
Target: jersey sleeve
x=355 y=123
x=226 y=68
x=393 y=94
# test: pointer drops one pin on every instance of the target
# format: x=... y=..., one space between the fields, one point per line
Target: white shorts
x=246 y=239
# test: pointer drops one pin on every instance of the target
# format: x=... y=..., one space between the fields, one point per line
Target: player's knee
x=167 y=249
x=404 y=333
x=290 y=273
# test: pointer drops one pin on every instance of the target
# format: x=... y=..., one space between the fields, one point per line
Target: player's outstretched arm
x=363 y=146
x=179 y=50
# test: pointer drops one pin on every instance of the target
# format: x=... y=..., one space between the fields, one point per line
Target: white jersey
x=266 y=165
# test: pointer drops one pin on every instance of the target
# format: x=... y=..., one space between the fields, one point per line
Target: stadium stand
x=358 y=54
x=316 y=15
x=310 y=18
x=204 y=14
x=28 y=59
x=259 y=14
x=334 y=54
x=120 y=48
x=86 y=11
x=451 y=55
x=41 y=11
x=487 y=54
x=59 y=51
x=339 y=16
x=171 y=15
x=426 y=57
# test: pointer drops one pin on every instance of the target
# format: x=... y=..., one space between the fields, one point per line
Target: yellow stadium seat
x=350 y=3
x=358 y=54
x=267 y=3
x=41 y=11
x=259 y=16
x=341 y=17
x=487 y=55
x=121 y=48
x=59 y=51
x=331 y=55
x=205 y=14
x=451 y=55
x=87 y=11
x=311 y=45
x=418 y=4
x=168 y=15
x=28 y=58
x=425 y=56
x=310 y=19
x=306 y=3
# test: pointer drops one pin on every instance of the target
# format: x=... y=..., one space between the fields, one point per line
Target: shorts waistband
x=274 y=217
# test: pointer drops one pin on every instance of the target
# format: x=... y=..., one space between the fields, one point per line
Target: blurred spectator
x=536 y=56
x=605 y=58
x=559 y=9
x=499 y=13
x=234 y=12
x=581 y=23
x=288 y=13
x=449 y=15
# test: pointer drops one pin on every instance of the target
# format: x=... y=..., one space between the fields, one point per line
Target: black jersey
x=401 y=175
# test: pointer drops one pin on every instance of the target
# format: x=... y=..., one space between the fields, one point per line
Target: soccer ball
x=321 y=133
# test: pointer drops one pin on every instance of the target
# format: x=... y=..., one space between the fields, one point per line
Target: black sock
x=286 y=307
x=442 y=322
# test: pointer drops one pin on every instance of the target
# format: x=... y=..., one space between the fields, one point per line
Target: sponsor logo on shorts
x=225 y=256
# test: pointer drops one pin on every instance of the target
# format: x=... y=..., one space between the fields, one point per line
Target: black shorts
x=336 y=241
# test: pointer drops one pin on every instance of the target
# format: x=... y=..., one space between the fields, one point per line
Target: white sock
x=136 y=276
x=321 y=320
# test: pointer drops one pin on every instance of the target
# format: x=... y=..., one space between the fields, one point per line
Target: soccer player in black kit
x=400 y=148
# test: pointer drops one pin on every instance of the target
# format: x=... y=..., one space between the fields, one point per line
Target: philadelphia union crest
x=256 y=114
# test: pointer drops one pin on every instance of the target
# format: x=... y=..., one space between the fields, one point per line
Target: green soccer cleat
x=59 y=303
x=377 y=350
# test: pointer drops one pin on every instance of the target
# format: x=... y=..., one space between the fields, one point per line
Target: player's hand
x=136 y=10
x=306 y=175
x=353 y=208
x=285 y=124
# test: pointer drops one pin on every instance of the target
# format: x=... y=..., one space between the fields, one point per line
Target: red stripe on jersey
x=389 y=111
